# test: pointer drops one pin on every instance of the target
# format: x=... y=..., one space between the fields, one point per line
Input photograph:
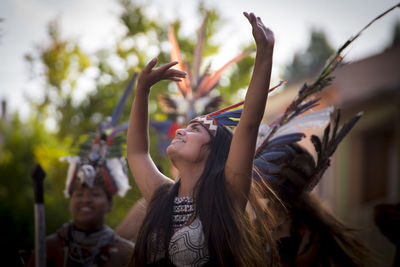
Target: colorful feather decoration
x=278 y=155
x=194 y=87
x=327 y=146
x=102 y=153
x=302 y=103
x=194 y=98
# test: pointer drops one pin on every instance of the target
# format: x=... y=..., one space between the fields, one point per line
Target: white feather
x=117 y=167
x=73 y=161
x=86 y=174
x=182 y=104
x=317 y=118
x=263 y=132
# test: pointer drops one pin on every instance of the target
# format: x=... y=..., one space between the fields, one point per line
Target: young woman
x=201 y=218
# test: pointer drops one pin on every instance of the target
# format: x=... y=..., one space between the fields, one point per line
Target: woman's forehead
x=191 y=124
x=194 y=124
x=198 y=125
x=202 y=127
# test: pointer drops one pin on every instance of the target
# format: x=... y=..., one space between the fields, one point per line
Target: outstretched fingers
x=151 y=75
x=169 y=72
x=248 y=15
x=167 y=65
x=150 y=65
x=174 y=75
x=255 y=21
x=262 y=34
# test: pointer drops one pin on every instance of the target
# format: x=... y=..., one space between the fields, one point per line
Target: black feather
x=266 y=166
x=325 y=138
x=285 y=139
x=303 y=88
x=336 y=123
x=347 y=127
x=268 y=155
x=317 y=144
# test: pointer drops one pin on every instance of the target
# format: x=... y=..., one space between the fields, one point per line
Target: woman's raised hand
x=263 y=36
x=150 y=75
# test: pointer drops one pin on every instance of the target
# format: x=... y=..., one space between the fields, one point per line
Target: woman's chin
x=170 y=150
x=173 y=155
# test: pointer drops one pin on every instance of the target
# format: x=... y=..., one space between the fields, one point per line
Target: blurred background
x=65 y=64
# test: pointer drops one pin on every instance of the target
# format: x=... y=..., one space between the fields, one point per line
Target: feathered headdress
x=100 y=158
x=228 y=116
x=291 y=169
x=193 y=98
x=279 y=159
x=194 y=89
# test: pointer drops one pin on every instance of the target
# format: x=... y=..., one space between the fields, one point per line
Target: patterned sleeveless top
x=187 y=246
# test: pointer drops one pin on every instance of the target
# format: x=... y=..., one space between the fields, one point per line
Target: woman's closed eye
x=194 y=128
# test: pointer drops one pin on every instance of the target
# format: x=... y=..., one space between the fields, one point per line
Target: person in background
x=94 y=177
x=130 y=225
x=307 y=233
x=387 y=218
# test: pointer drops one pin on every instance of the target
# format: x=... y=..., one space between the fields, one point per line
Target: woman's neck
x=189 y=176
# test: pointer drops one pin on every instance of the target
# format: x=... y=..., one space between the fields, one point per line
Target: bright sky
x=94 y=23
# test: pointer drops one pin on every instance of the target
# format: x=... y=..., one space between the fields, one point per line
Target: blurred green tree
x=63 y=68
x=22 y=145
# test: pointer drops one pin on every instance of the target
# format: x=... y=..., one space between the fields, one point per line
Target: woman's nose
x=180 y=131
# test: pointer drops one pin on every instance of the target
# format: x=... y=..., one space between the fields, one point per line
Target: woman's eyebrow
x=193 y=125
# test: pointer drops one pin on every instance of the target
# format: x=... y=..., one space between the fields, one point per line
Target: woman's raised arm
x=238 y=168
x=143 y=169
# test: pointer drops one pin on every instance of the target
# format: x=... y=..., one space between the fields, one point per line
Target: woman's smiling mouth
x=177 y=140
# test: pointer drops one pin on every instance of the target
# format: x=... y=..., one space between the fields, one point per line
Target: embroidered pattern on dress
x=182 y=211
x=187 y=246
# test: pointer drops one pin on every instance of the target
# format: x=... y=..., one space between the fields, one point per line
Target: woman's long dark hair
x=232 y=237
x=338 y=243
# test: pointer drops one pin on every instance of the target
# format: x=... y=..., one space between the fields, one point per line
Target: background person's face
x=88 y=207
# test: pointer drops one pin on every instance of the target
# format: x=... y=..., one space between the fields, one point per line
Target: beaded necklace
x=183 y=210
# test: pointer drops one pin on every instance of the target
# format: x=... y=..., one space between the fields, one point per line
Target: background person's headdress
x=279 y=160
x=100 y=158
x=291 y=169
x=194 y=90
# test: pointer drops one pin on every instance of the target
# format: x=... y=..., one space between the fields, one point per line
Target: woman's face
x=190 y=144
x=88 y=207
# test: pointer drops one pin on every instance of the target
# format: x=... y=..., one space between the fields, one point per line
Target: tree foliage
x=22 y=145
x=63 y=67
x=307 y=63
